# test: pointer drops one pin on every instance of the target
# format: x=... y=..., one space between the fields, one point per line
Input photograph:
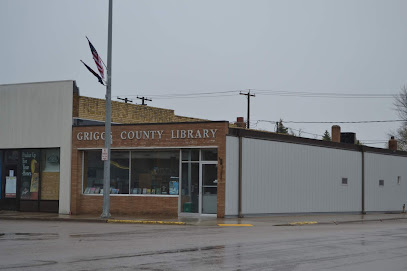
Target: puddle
x=19 y=236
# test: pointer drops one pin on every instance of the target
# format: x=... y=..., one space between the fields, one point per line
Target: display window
x=155 y=172
x=30 y=176
x=50 y=160
x=93 y=172
x=146 y=173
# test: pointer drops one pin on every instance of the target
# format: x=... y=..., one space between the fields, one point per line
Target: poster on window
x=173 y=187
x=30 y=175
x=11 y=184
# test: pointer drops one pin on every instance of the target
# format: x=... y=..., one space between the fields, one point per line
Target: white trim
x=180 y=182
x=151 y=148
x=82 y=169
x=129 y=172
x=200 y=185
x=134 y=195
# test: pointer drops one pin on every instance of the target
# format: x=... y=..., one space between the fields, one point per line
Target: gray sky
x=173 y=47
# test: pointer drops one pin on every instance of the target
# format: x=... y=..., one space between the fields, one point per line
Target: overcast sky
x=164 y=48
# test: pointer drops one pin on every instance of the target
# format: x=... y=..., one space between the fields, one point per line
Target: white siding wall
x=291 y=178
x=391 y=196
x=232 y=175
x=39 y=115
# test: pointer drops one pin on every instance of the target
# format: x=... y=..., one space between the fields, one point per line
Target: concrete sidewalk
x=272 y=220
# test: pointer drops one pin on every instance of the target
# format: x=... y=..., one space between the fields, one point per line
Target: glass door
x=9 y=185
x=190 y=188
x=199 y=184
x=209 y=188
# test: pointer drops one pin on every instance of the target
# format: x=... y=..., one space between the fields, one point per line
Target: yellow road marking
x=235 y=225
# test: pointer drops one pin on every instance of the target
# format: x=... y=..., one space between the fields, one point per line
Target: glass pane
x=93 y=172
x=209 y=154
x=11 y=157
x=190 y=188
x=190 y=155
x=154 y=172
x=50 y=174
x=30 y=177
x=119 y=172
x=209 y=175
x=209 y=200
x=209 y=189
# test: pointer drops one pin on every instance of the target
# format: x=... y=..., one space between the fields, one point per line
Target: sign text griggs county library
x=150 y=134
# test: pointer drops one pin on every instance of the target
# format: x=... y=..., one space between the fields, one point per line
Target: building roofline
x=156 y=123
x=43 y=82
x=255 y=134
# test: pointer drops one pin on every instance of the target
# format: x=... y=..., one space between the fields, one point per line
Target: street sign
x=104 y=154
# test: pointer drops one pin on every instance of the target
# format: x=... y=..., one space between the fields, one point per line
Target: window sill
x=133 y=195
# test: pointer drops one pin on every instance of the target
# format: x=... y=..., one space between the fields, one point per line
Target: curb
x=145 y=222
x=301 y=223
x=56 y=219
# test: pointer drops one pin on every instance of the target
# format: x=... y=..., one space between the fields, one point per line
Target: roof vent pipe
x=240 y=122
x=336 y=133
x=393 y=144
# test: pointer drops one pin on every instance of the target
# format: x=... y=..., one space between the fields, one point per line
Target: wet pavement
x=274 y=220
x=56 y=245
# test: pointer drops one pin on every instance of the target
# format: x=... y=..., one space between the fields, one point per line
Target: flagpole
x=106 y=170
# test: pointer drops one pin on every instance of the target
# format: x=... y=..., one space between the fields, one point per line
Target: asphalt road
x=37 y=245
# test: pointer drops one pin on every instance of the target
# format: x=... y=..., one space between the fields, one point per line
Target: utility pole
x=126 y=100
x=248 y=106
x=106 y=167
x=144 y=99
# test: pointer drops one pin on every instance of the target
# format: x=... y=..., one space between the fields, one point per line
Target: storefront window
x=11 y=157
x=209 y=154
x=93 y=172
x=190 y=155
x=119 y=172
x=30 y=176
x=50 y=174
x=155 y=172
x=152 y=172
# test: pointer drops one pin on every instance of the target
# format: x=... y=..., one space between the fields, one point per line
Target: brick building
x=163 y=164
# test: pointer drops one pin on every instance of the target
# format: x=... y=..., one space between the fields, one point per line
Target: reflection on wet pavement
x=123 y=247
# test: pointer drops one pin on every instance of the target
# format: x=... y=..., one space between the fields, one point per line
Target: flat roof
x=242 y=132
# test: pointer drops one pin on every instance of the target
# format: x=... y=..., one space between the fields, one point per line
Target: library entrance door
x=199 y=187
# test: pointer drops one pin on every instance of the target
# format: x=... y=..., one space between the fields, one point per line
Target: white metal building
x=283 y=174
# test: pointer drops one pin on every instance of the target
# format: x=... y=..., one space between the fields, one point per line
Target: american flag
x=97 y=59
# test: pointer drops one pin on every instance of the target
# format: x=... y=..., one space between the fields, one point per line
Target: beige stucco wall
x=39 y=115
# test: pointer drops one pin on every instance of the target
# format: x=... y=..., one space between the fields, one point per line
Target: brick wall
x=94 y=109
x=133 y=205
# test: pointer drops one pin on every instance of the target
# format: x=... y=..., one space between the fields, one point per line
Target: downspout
x=240 y=215
x=363 y=180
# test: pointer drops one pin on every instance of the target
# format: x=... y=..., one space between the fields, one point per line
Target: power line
x=143 y=99
x=126 y=100
x=323 y=94
x=301 y=94
x=333 y=122
x=364 y=141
